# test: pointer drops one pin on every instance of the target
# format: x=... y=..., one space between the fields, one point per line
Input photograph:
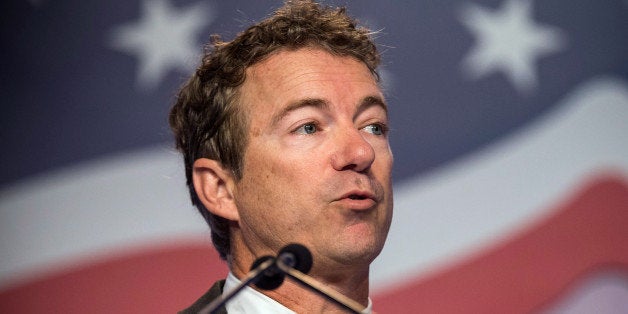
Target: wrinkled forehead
x=288 y=71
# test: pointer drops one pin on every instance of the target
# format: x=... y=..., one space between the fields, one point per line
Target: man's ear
x=214 y=186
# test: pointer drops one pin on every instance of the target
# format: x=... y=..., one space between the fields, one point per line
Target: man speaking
x=284 y=133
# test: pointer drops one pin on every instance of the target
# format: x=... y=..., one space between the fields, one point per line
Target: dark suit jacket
x=208 y=297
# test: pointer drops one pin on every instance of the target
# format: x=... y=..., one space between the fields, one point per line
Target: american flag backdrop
x=509 y=128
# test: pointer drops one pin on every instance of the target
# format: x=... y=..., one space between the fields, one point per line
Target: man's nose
x=352 y=151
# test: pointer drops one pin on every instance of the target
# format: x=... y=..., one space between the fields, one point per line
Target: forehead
x=290 y=76
x=286 y=62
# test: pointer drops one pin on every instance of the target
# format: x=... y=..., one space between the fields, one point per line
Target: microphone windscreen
x=271 y=278
x=302 y=256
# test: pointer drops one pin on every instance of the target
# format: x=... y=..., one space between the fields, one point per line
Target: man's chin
x=355 y=253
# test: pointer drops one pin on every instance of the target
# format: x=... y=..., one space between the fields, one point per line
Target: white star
x=163 y=39
x=508 y=40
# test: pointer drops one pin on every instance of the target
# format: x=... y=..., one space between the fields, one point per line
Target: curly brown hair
x=208 y=121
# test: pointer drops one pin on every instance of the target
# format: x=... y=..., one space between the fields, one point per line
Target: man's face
x=317 y=168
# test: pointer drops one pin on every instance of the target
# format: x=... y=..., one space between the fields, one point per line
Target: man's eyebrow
x=367 y=102
x=307 y=102
x=370 y=101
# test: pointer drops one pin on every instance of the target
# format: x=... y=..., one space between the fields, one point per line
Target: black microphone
x=295 y=260
x=271 y=278
x=296 y=256
x=293 y=255
x=265 y=274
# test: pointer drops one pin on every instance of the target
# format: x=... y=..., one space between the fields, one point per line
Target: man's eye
x=376 y=129
x=309 y=128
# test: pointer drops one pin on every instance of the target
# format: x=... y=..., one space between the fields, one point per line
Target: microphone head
x=271 y=278
x=297 y=256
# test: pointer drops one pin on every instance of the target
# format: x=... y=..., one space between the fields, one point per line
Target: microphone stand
x=317 y=287
x=291 y=261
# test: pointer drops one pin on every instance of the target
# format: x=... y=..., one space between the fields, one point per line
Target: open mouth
x=357 y=197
